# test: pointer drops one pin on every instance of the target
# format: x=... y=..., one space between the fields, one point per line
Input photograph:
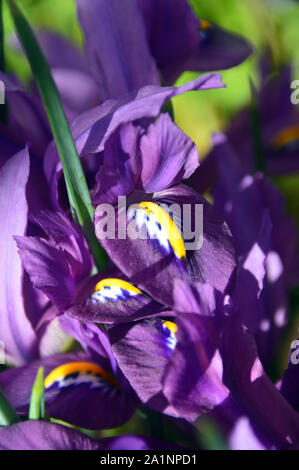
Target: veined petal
x=116 y=46
x=48 y=270
x=115 y=301
x=152 y=251
x=93 y=128
x=168 y=156
x=16 y=330
x=78 y=390
x=142 y=350
x=218 y=49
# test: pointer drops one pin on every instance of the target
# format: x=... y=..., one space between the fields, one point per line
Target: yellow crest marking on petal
x=79 y=367
x=286 y=136
x=205 y=24
x=173 y=233
x=114 y=282
x=172 y=327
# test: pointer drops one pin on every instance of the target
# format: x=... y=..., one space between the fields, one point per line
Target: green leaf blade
x=8 y=416
x=77 y=188
x=37 y=401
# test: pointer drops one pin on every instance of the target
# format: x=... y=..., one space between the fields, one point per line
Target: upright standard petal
x=116 y=46
x=149 y=160
x=168 y=156
x=92 y=129
x=55 y=266
x=179 y=41
x=15 y=328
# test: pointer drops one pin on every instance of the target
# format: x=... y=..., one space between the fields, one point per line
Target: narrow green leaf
x=2 y=58
x=77 y=189
x=8 y=415
x=37 y=401
x=210 y=436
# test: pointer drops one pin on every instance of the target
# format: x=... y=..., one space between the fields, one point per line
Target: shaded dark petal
x=245 y=377
x=17 y=383
x=81 y=398
x=40 y=435
x=118 y=173
x=251 y=277
x=34 y=129
x=48 y=270
x=245 y=201
x=212 y=262
x=93 y=339
x=155 y=257
x=142 y=350
x=179 y=41
x=218 y=49
x=116 y=46
x=237 y=196
x=173 y=34
x=114 y=303
x=69 y=237
x=193 y=379
x=56 y=265
x=15 y=328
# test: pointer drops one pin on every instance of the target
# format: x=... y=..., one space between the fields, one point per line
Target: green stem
x=8 y=415
x=37 y=401
x=77 y=188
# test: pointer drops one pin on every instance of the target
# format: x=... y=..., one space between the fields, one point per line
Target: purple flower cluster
x=186 y=333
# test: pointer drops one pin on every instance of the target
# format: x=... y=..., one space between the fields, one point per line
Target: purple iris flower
x=251 y=393
x=247 y=202
x=200 y=359
x=136 y=164
x=279 y=125
x=159 y=351
x=161 y=39
x=57 y=265
x=40 y=435
x=128 y=45
x=264 y=236
x=86 y=389
x=33 y=131
x=92 y=129
x=17 y=324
